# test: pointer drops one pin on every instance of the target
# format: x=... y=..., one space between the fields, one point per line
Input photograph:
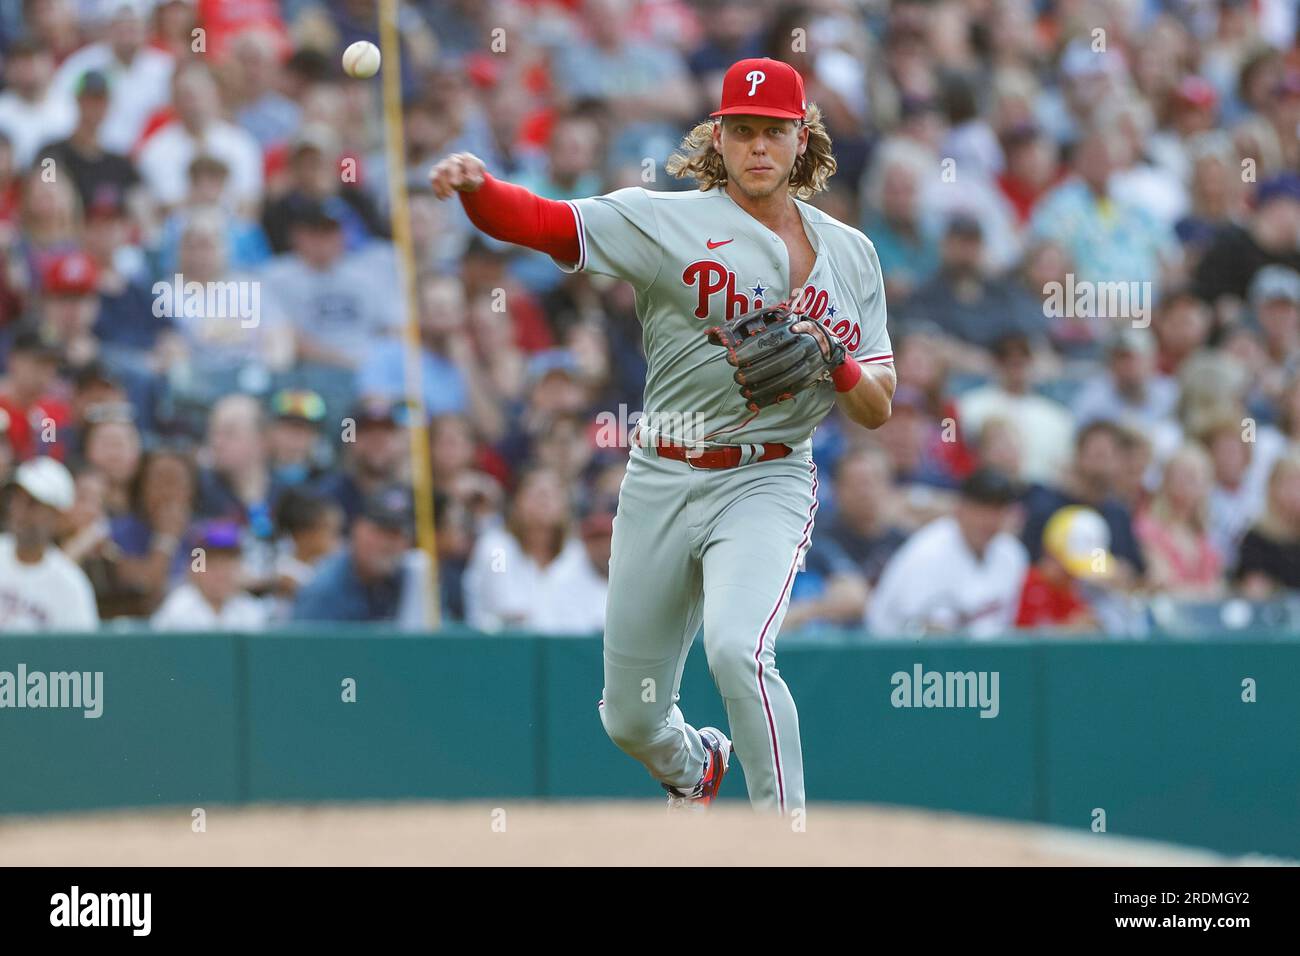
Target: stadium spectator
x=453 y=379
x=828 y=590
x=645 y=84
x=1275 y=310
x=150 y=538
x=862 y=525
x=246 y=246
x=851 y=546
x=125 y=586
x=377 y=577
x=53 y=23
x=173 y=28
x=212 y=598
x=914 y=441
x=1107 y=240
x=1055 y=596
x=892 y=217
x=1236 y=496
x=1031 y=169
x=1045 y=425
x=315 y=179
x=294 y=437
x=250 y=81
x=309 y=529
x=33 y=111
x=1090 y=480
x=374 y=455
x=532 y=573
x=1129 y=391
x=199 y=129
x=70 y=305
x=999 y=446
x=1269 y=560
x=1136 y=465
x=233 y=325
x=1267 y=237
x=1182 y=324
x=41 y=589
x=110 y=443
x=236 y=484
x=37 y=415
x=489 y=285
x=1174 y=530
x=138 y=76
x=983 y=569
x=328 y=293
x=963 y=302
x=1217 y=196
x=95 y=170
x=132 y=336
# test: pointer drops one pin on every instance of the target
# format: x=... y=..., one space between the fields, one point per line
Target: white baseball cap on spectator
x=47 y=481
x=1275 y=282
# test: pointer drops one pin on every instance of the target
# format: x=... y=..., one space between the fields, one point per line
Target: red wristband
x=846 y=374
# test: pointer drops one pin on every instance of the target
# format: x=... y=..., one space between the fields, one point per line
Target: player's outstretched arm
x=505 y=211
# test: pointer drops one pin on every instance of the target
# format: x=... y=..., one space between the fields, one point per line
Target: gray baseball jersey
x=716 y=548
x=696 y=259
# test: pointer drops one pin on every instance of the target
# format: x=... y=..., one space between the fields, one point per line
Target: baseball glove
x=774 y=360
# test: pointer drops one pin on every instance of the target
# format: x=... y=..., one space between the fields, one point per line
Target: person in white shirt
x=212 y=599
x=41 y=589
x=199 y=130
x=139 y=76
x=532 y=574
x=1046 y=427
x=960 y=574
x=328 y=293
x=32 y=111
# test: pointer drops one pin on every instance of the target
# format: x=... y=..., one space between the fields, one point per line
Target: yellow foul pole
x=421 y=477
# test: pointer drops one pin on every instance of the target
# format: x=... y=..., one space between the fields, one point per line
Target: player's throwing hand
x=459 y=172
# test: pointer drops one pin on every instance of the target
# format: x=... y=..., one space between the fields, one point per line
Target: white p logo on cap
x=755 y=77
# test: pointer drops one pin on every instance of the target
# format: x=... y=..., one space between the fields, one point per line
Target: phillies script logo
x=711 y=279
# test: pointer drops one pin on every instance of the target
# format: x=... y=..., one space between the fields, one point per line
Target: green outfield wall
x=1154 y=734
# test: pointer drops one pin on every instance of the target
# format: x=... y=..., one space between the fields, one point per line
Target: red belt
x=724 y=456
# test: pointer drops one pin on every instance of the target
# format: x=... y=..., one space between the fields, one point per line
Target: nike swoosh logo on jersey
x=713 y=245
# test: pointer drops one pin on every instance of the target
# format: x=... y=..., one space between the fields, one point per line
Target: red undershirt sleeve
x=513 y=214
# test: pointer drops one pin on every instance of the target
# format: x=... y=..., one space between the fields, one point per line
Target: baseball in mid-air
x=361 y=60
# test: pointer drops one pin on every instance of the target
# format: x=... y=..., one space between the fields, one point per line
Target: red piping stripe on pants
x=762 y=637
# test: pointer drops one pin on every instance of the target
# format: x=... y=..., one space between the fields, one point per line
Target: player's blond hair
x=698 y=160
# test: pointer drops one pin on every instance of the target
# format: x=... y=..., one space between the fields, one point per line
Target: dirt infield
x=636 y=834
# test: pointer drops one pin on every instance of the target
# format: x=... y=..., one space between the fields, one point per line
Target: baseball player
x=759 y=312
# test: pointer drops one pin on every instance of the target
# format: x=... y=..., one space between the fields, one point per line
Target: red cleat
x=718 y=750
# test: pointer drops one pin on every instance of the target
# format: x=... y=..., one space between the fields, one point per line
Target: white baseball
x=361 y=60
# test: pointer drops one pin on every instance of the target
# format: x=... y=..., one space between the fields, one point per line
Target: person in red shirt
x=1076 y=552
x=38 y=419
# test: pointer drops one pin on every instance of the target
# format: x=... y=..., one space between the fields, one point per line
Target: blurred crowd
x=1087 y=213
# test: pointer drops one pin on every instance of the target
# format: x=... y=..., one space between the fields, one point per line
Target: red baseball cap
x=762 y=87
x=71 y=273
